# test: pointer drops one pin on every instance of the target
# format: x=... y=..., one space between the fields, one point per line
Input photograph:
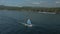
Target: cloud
x=36 y=3
x=2 y=1
x=43 y=1
x=57 y=1
x=27 y=0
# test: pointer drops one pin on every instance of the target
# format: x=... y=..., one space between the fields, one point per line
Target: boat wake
x=31 y=25
x=28 y=23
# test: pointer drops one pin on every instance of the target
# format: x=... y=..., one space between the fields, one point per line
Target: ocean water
x=43 y=23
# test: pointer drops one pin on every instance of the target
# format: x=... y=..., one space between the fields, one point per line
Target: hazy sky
x=38 y=3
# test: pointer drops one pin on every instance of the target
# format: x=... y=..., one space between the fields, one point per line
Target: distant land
x=34 y=9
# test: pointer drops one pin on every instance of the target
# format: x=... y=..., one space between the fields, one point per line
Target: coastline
x=47 y=12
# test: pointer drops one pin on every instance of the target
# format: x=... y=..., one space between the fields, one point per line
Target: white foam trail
x=31 y=25
x=26 y=24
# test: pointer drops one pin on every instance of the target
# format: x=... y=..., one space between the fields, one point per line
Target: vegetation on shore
x=34 y=9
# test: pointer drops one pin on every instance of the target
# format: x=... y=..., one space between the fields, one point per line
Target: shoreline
x=47 y=12
x=35 y=11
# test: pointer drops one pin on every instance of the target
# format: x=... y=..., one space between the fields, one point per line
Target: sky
x=37 y=3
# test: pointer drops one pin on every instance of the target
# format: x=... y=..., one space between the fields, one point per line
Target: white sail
x=29 y=22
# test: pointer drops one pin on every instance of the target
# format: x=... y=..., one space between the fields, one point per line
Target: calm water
x=44 y=23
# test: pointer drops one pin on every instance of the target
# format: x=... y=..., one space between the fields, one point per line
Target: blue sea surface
x=44 y=23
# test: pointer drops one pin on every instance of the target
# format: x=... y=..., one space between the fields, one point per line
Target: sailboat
x=28 y=23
